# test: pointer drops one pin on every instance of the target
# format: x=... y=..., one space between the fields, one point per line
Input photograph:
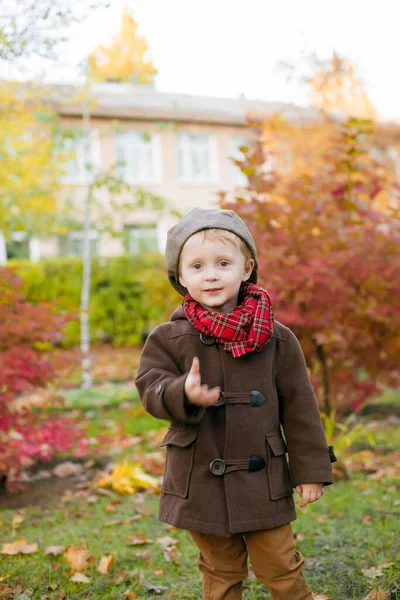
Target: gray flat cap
x=197 y=220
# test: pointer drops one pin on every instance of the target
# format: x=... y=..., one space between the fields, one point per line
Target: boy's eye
x=197 y=266
x=224 y=263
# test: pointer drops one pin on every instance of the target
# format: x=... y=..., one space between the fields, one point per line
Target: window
x=140 y=239
x=239 y=178
x=80 y=168
x=18 y=245
x=197 y=158
x=72 y=243
x=138 y=157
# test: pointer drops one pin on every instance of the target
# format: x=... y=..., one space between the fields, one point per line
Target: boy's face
x=212 y=271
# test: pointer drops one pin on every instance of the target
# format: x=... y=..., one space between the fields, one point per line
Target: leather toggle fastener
x=332 y=455
x=257 y=398
x=255 y=463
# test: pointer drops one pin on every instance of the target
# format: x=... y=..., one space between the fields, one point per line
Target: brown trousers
x=275 y=561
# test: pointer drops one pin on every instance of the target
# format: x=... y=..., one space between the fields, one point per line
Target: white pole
x=85 y=292
x=3 y=249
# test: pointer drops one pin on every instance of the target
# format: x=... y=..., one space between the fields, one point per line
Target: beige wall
x=182 y=196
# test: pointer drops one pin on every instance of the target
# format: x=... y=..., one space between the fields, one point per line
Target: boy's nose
x=211 y=274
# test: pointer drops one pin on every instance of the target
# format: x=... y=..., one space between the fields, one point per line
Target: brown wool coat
x=263 y=393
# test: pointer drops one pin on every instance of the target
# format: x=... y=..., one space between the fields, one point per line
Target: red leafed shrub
x=25 y=331
x=328 y=238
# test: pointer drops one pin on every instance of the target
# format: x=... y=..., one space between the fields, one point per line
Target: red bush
x=27 y=330
x=329 y=256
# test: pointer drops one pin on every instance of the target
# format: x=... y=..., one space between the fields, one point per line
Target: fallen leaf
x=156 y=589
x=113 y=523
x=17 y=519
x=129 y=594
x=80 y=578
x=104 y=492
x=321 y=597
x=166 y=541
x=92 y=499
x=320 y=518
x=378 y=594
x=145 y=554
x=109 y=508
x=128 y=478
x=78 y=559
x=106 y=563
x=172 y=554
x=159 y=572
x=299 y=536
x=385 y=565
x=20 y=546
x=68 y=469
x=136 y=539
x=55 y=550
x=145 y=511
x=367 y=520
x=135 y=518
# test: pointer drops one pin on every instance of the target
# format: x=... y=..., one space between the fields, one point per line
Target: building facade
x=177 y=147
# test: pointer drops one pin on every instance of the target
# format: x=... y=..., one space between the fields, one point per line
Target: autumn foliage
x=26 y=330
x=328 y=234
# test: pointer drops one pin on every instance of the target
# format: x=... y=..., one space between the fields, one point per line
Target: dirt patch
x=43 y=488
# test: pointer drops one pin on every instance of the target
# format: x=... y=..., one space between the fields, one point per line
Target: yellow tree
x=125 y=60
x=30 y=166
x=336 y=88
x=336 y=92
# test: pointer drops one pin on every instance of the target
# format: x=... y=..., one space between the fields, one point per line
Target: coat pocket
x=278 y=471
x=179 y=462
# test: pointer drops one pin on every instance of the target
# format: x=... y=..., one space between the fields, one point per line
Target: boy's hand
x=197 y=393
x=310 y=492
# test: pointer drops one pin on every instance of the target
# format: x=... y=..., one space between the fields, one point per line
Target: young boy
x=230 y=380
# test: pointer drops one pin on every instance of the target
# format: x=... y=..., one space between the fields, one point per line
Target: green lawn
x=354 y=526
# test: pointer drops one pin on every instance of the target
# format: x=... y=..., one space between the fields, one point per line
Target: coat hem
x=211 y=528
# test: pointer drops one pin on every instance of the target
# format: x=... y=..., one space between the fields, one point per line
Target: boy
x=229 y=379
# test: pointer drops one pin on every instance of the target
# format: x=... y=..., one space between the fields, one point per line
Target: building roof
x=141 y=102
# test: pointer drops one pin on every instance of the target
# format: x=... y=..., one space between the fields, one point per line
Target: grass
x=354 y=526
x=338 y=536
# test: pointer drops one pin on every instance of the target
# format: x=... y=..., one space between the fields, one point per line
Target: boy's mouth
x=213 y=290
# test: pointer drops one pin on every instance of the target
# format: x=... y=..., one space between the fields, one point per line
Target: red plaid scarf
x=246 y=329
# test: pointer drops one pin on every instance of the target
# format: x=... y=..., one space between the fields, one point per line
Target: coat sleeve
x=160 y=382
x=309 y=457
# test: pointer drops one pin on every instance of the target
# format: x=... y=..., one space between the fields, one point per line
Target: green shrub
x=129 y=295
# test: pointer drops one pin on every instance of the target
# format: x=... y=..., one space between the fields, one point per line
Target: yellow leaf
x=128 y=478
x=17 y=519
x=20 y=546
x=106 y=563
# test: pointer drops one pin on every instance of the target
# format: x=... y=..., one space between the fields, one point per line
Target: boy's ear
x=248 y=270
x=181 y=280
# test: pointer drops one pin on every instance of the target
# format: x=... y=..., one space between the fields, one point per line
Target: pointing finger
x=195 y=368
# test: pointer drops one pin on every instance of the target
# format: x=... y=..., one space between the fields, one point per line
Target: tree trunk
x=325 y=379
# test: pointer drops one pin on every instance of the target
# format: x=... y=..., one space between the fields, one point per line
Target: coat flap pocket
x=277 y=443
x=179 y=437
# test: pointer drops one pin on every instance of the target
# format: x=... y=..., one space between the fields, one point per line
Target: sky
x=228 y=48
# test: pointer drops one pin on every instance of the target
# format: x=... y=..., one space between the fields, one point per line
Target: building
x=172 y=145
